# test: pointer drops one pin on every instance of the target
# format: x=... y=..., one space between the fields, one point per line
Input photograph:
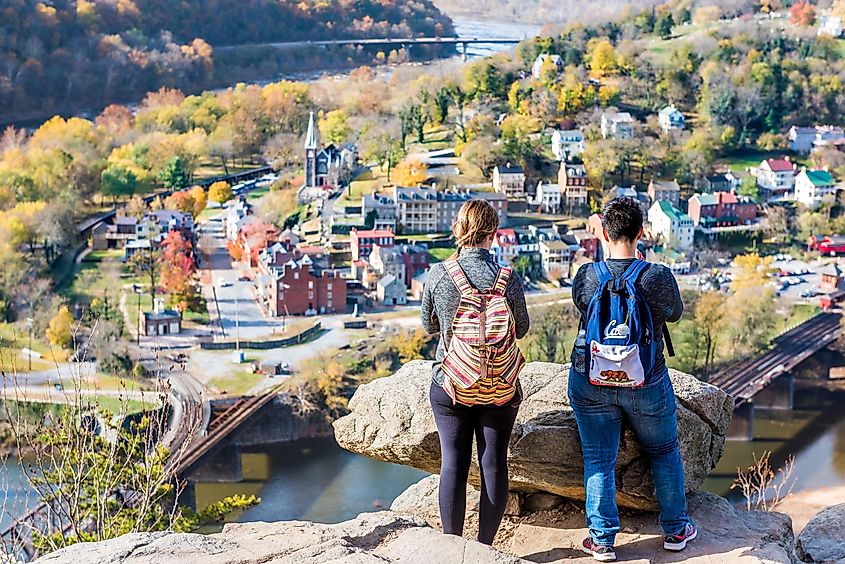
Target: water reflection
x=312 y=480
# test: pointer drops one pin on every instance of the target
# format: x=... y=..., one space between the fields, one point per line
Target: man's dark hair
x=622 y=218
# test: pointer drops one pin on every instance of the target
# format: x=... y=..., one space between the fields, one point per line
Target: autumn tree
x=60 y=329
x=602 y=58
x=802 y=13
x=334 y=126
x=410 y=172
x=200 y=198
x=181 y=201
x=708 y=316
x=220 y=192
x=177 y=271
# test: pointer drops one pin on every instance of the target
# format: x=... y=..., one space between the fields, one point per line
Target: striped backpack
x=483 y=360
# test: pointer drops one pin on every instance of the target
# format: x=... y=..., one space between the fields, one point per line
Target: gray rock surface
x=390 y=419
x=376 y=538
x=725 y=534
x=823 y=538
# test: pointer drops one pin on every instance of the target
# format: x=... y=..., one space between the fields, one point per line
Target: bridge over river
x=766 y=380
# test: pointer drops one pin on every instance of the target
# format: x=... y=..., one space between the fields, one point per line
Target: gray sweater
x=441 y=298
x=656 y=284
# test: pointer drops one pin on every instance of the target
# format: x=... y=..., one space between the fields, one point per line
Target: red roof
x=506 y=237
x=373 y=233
x=727 y=198
x=780 y=165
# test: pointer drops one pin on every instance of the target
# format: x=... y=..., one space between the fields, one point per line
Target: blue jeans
x=651 y=413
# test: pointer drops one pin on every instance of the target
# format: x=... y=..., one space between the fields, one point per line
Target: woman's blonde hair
x=475 y=222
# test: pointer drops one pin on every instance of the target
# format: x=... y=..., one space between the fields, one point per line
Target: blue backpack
x=621 y=348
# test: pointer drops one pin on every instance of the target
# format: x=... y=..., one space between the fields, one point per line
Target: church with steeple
x=324 y=166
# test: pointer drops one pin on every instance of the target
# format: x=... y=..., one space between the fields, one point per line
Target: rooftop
x=820 y=177
x=673 y=212
x=780 y=165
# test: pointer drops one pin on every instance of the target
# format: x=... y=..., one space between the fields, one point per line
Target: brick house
x=299 y=287
x=572 y=178
x=362 y=242
x=721 y=209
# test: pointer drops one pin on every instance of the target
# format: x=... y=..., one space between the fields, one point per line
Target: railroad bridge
x=766 y=381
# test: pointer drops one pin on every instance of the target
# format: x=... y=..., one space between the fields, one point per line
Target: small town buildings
x=165 y=221
x=391 y=291
x=134 y=246
x=721 y=209
x=556 y=258
x=509 y=180
x=813 y=187
x=829 y=136
x=323 y=165
x=111 y=236
x=775 y=177
x=830 y=25
x=538 y=67
x=617 y=125
x=161 y=321
x=673 y=225
x=425 y=210
x=831 y=278
x=567 y=143
x=387 y=261
x=418 y=285
x=379 y=209
x=665 y=190
x=416 y=259
x=547 y=197
x=586 y=240
x=671 y=119
x=362 y=242
x=291 y=283
x=631 y=192
x=233 y=218
x=505 y=246
x=572 y=179
x=720 y=182
x=802 y=140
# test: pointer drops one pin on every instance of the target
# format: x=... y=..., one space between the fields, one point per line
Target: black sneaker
x=678 y=542
x=597 y=551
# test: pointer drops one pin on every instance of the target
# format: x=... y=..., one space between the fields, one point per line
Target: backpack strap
x=632 y=273
x=602 y=272
x=502 y=279
x=456 y=273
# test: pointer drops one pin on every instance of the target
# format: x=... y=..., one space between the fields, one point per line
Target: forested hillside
x=66 y=54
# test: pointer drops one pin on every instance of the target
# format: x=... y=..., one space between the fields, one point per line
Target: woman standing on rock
x=478 y=308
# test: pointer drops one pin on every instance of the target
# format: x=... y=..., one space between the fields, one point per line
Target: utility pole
x=237 y=323
x=30 y=321
x=137 y=289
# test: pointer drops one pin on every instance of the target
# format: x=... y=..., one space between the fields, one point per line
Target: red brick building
x=292 y=283
x=416 y=261
x=721 y=209
x=362 y=241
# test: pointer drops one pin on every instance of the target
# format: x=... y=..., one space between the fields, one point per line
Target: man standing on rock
x=619 y=374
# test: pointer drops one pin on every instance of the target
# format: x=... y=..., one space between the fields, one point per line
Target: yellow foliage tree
x=200 y=199
x=220 y=192
x=602 y=57
x=410 y=172
x=59 y=331
x=751 y=271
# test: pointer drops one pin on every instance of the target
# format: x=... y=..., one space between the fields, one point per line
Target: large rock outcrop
x=823 y=538
x=390 y=419
x=372 y=538
x=552 y=534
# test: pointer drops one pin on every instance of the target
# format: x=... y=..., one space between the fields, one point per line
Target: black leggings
x=456 y=425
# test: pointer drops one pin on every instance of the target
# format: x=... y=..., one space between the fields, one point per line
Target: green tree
x=748 y=187
x=174 y=176
x=664 y=24
x=547 y=341
x=116 y=181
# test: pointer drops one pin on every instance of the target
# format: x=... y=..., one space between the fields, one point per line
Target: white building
x=814 y=187
x=567 y=143
x=617 y=125
x=671 y=119
x=391 y=291
x=801 y=139
x=505 y=246
x=509 y=180
x=382 y=209
x=830 y=25
x=537 y=67
x=556 y=258
x=548 y=197
x=775 y=177
x=674 y=226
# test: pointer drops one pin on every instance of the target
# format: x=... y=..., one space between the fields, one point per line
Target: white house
x=391 y=291
x=509 y=180
x=537 y=67
x=505 y=246
x=813 y=187
x=775 y=177
x=830 y=25
x=555 y=258
x=672 y=224
x=801 y=139
x=547 y=197
x=567 y=143
x=671 y=119
x=617 y=125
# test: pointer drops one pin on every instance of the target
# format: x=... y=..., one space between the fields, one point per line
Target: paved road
x=240 y=313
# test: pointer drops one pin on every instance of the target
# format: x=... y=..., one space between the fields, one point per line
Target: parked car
x=222 y=282
x=244 y=279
